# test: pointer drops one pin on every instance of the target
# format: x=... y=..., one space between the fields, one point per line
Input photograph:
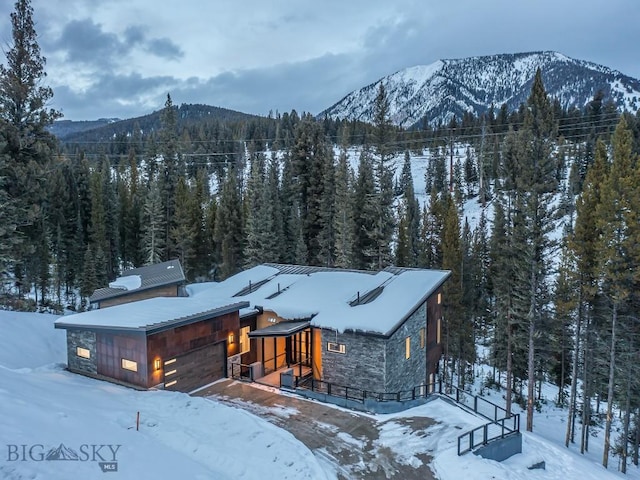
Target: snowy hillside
x=446 y=88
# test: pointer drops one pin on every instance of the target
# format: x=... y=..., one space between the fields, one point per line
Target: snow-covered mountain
x=446 y=88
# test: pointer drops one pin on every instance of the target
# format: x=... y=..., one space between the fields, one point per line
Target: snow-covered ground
x=43 y=406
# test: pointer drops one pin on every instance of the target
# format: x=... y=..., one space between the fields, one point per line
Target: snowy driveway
x=348 y=444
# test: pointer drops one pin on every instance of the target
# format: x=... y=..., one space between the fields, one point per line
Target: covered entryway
x=282 y=346
x=196 y=368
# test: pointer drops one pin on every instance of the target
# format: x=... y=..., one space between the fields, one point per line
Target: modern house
x=378 y=331
x=164 y=279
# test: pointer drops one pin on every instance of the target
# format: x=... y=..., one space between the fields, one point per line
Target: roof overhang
x=156 y=327
x=281 y=329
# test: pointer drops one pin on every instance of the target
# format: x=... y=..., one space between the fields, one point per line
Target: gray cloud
x=164 y=48
x=114 y=96
x=386 y=39
x=85 y=42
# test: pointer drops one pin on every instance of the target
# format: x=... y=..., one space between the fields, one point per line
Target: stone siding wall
x=86 y=340
x=361 y=366
x=405 y=373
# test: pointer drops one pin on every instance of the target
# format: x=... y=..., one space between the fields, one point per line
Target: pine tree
x=27 y=144
x=184 y=234
x=228 y=228
x=458 y=330
x=255 y=211
x=171 y=169
x=383 y=229
x=344 y=213
x=153 y=220
x=618 y=248
x=327 y=233
x=535 y=183
x=366 y=216
x=583 y=245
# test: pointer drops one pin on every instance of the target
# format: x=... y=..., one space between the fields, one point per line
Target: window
x=407 y=347
x=422 y=339
x=245 y=346
x=83 y=352
x=336 y=347
x=439 y=333
x=129 y=365
x=439 y=299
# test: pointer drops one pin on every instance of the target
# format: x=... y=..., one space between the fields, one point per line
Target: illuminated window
x=422 y=339
x=439 y=330
x=83 y=352
x=336 y=347
x=245 y=346
x=407 y=347
x=129 y=365
x=439 y=299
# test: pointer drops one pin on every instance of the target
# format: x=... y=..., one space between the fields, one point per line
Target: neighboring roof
x=282 y=329
x=141 y=279
x=150 y=316
x=375 y=302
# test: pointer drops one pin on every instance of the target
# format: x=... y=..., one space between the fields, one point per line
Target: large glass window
x=407 y=347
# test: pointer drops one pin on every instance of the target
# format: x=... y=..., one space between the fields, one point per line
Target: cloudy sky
x=120 y=58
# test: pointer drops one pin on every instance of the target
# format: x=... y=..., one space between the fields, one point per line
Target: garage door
x=196 y=368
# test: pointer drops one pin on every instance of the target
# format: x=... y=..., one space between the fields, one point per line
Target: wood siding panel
x=112 y=348
x=434 y=349
x=166 y=291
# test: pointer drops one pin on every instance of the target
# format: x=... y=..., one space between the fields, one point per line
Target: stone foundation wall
x=406 y=373
x=86 y=340
x=361 y=366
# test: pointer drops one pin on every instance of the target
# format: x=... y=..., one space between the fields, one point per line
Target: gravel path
x=348 y=441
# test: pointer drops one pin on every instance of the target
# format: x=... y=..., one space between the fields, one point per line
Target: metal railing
x=501 y=423
x=360 y=395
x=493 y=430
x=240 y=371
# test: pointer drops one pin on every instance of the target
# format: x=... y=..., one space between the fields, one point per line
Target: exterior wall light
x=156 y=364
x=231 y=338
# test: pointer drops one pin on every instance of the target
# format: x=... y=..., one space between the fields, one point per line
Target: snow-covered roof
x=130 y=282
x=152 y=315
x=141 y=278
x=374 y=302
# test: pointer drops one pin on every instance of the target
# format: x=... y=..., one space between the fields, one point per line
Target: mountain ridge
x=437 y=92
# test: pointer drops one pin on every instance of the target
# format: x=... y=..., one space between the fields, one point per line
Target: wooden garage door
x=195 y=368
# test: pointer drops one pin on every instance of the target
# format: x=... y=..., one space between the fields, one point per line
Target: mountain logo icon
x=62 y=453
